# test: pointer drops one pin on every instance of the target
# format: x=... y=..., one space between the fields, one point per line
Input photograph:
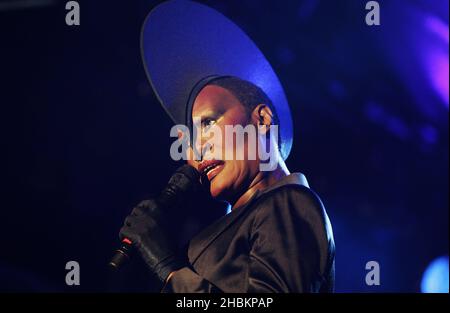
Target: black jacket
x=280 y=241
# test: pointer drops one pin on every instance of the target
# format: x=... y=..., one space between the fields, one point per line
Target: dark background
x=84 y=139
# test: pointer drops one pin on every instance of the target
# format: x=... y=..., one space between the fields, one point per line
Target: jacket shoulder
x=298 y=211
x=297 y=199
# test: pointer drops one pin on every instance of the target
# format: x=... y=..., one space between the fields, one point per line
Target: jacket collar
x=201 y=241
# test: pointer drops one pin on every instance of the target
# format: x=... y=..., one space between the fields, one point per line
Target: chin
x=220 y=186
x=216 y=189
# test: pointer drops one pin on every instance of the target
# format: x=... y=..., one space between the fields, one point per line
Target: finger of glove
x=139 y=221
x=136 y=229
x=129 y=233
x=144 y=207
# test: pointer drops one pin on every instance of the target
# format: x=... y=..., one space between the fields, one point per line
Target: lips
x=210 y=168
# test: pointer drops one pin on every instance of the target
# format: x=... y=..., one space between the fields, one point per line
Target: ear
x=262 y=116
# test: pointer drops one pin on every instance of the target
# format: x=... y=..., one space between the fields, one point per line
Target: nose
x=203 y=147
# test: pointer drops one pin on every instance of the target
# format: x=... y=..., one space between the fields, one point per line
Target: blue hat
x=184 y=44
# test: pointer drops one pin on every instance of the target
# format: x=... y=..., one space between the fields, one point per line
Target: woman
x=277 y=237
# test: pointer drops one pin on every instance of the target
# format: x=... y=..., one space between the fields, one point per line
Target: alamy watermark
x=373 y=16
x=73 y=275
x=373 y=274
x=236 y=142
x=73 y=14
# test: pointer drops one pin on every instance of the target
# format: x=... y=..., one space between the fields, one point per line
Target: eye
x=207 y=123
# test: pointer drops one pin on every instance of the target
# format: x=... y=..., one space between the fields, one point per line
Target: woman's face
x=228 y=178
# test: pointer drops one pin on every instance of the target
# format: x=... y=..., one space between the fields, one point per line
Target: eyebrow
x=210 y=113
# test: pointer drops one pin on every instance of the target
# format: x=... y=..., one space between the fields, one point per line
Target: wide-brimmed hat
x=184 y=43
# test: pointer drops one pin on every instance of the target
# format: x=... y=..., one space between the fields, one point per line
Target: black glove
x=147 y=228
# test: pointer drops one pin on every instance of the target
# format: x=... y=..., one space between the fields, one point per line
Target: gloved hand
x=147 y=228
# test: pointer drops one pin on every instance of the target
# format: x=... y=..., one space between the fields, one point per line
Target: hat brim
x=182 y=42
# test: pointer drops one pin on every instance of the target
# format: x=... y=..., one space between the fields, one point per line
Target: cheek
x=224 y=183
x=234 y=174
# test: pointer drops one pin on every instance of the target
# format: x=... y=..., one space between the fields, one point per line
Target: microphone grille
x=185 y=178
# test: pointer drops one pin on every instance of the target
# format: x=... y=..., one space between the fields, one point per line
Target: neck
x=261 y=181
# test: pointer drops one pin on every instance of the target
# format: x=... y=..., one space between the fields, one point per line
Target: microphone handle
x=121 y=255
x=182 y=183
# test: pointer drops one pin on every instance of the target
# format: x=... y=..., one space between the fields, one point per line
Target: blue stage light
x=435 y=277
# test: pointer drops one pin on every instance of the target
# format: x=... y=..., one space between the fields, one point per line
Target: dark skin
x=238 y=180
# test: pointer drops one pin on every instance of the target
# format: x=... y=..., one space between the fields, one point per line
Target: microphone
x=184 y=182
